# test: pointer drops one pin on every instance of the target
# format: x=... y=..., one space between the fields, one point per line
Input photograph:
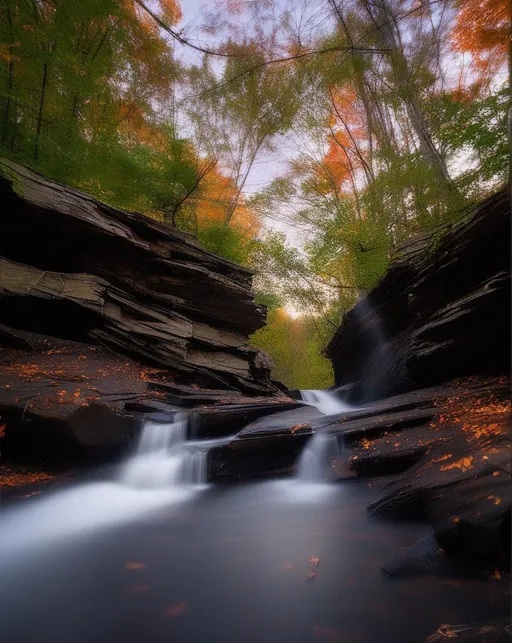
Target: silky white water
x=165 y=458
x=325 y=401
x=315 y=461
x=314 y=464
x=165 y=471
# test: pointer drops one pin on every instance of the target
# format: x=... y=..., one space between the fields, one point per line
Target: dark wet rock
x=441 y=311
x=60 y=398
x=274 y=454
x=118 y=279
x=229 y=419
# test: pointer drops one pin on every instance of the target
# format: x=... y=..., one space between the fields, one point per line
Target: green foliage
x=229 y=241
x=295 y=347
x=475 y=127
x=83 y=88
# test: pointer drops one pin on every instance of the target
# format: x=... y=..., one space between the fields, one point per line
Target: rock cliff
x=74 y=268
x=441 y=311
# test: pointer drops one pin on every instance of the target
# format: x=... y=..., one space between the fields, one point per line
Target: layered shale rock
x=75 y=268
x=441 y=311
x=108 y=317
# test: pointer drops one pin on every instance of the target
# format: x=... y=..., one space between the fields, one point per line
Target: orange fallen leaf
x=134 y=566
x=313 y=560
x=456 y=520
x=176 y=610
x=497 y=574
x=311 y=576
x=495 y=473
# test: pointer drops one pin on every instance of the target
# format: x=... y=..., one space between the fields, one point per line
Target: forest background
x=304 y=139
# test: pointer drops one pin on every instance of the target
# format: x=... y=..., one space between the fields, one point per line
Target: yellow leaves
x=176 y=610
x=134 y=566
x=464 y=464
x=495 y=473
x=365 y=444
x=497 y=499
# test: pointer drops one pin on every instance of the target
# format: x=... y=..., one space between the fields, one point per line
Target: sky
x=269 y=165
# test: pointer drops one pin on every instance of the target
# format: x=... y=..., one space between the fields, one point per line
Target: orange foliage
x=483 y=29
x=336 y=161
x=366 y=444
x=464 y=464
x=213 y=204
x=9 y=479
x=170 y=11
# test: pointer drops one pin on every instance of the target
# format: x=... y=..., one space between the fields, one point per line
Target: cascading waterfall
x=325 y=401
x=164 y=457
x=315 y=460
x=165 y=471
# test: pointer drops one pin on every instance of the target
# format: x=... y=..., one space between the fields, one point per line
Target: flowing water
x=164 y=458
x=326 y=402
x=157 y=555
x=316 y=458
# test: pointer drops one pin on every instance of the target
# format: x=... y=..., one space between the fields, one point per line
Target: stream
x=155 y=554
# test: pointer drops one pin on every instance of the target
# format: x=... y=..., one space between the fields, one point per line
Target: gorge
x=164 y=452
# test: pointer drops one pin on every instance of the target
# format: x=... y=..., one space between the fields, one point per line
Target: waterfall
x=315 y=459
x=165 y=458
x=314 y=464
x=325 y=401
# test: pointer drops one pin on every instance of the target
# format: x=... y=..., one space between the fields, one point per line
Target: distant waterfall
x=325 y=401
x=164 y=457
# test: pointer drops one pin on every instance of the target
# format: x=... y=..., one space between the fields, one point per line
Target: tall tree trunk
x=44 y=84
x=385 y=22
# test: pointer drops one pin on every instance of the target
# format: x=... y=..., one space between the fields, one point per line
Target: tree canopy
x=304 y=140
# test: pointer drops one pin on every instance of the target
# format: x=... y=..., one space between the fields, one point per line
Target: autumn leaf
x=497 y=574
x=311 y=576
x=176 y=610
x=134 y=566
x=289 y=566
x=313 y=560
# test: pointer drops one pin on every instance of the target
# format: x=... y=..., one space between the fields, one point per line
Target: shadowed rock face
x=441 y=311
x=74 y=268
